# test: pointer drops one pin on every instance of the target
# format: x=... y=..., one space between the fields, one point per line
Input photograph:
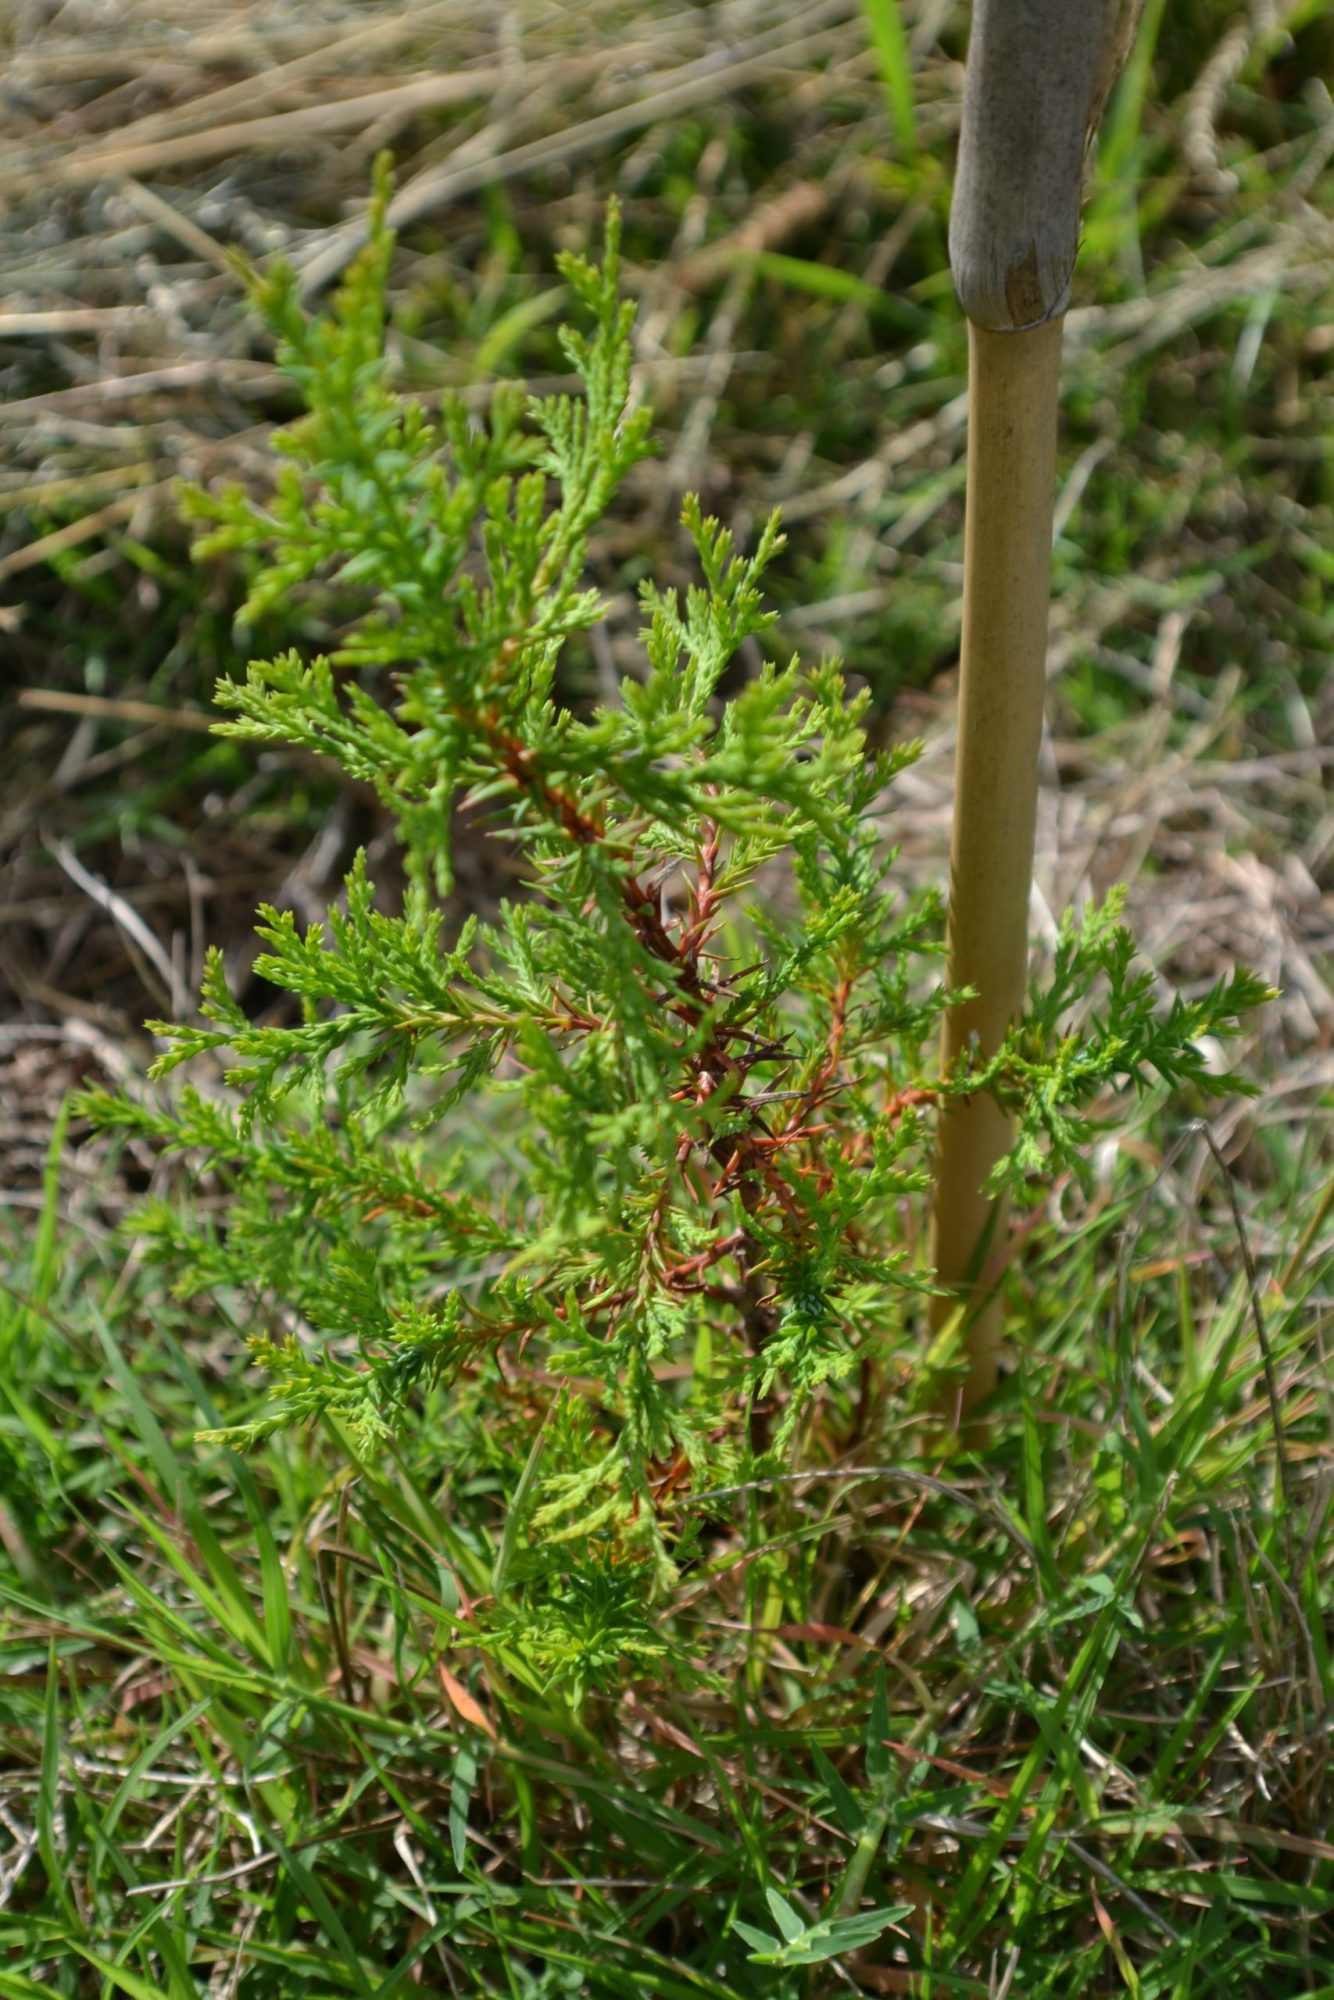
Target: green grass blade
x=893 y=54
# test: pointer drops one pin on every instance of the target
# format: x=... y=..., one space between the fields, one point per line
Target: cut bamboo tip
x=1037 y=78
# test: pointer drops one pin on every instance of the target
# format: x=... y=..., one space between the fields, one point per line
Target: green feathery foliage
x=623 y=1171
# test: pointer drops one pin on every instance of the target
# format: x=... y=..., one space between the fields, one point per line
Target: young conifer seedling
x=611 y=1187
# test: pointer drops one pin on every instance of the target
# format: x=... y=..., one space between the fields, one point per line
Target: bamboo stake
x=1013 y=383
x=1038 y=74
